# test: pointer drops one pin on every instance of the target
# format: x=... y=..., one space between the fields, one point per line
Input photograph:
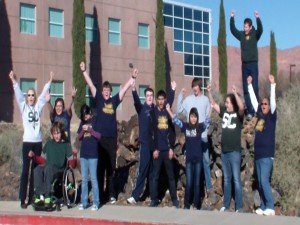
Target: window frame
x=25 y=19
x=55 y=24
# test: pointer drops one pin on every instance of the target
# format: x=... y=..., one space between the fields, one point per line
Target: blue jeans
x=231 y=165
x=143 y=171
x=263 y=169
x=89 y=165
x=206 y=165
x=250 y=69
x=193 y=176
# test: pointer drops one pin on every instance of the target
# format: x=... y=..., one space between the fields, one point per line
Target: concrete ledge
x=11 y=213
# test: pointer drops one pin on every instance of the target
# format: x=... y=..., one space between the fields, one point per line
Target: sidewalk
x=11 y=213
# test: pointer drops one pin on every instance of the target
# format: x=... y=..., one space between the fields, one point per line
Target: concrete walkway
x=11 y=213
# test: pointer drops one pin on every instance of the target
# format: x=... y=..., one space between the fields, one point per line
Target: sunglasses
x=30 y=95
x=264 y=103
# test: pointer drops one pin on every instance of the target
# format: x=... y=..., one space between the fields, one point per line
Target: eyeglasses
x=264 y=103
x=30 y=95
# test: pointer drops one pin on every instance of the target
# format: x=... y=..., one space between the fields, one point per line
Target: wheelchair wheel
x=69 y=188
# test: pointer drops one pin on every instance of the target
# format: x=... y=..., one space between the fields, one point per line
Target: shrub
x=286 y=176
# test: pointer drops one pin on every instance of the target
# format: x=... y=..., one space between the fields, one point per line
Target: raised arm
x=69 y=109
x=235 y=32
x=18 y=93
x=259 y=30
x=88 y=79
x=238 y=100
x=45 y=95
x=128 y=84
x=171 y=95
x=272 y=93
x=136 y=100
x=214 y=105
x=253 y=98
x=177 y=121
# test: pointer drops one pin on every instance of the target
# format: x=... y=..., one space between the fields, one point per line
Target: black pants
x=44 y=177
x=37 y=149
x=157 y=164
x=107 y=166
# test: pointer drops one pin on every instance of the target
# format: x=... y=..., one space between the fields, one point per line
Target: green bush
x=286 y=171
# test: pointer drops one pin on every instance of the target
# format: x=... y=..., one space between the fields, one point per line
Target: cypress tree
x=223 y=73
x=160 y=64
x=273 y=55
x=78 y=52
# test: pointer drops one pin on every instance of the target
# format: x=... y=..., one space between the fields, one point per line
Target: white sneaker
x=94 y=208
x=223 y=209
x=81 y=207
x=113 y=200
x=131 y=200
x=259 y=211
x=269 y=212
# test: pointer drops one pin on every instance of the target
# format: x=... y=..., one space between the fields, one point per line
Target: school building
x=36 y=38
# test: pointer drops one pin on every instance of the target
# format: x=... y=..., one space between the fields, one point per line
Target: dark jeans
x=247 y=70
x=157 y=164
x=44 y=177
x=107 y=166
x=37 y=149
x=143 y=172
x=193 y=176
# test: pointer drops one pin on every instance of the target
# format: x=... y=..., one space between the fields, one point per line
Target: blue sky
x=281 y=17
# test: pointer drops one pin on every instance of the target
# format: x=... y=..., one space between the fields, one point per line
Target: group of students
x=98 y=135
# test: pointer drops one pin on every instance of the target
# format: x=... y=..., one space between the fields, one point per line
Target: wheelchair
x=64 y=190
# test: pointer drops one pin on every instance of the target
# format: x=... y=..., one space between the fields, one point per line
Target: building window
x=114 y=31
x=143 y=35
x=27 y=18
x=56 y=23
x=91 y=28
x=116 y=89
x=25 y=84
x=142 y=89
x=56 y=90
x=192 y=33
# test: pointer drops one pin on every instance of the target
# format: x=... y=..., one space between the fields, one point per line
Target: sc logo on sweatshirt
x=227 y=120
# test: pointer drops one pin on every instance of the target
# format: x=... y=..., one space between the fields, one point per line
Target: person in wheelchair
x=56 y=151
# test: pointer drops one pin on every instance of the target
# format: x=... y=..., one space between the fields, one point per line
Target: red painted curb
x=46 y=220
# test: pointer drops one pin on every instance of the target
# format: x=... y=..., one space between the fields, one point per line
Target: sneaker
x=241 y=210
x=153 y=203
x=23 y=205
x=259 y=211
x=81 y=207
x=269 y=212
x=94 y=208
x=131 y=200
x=176 y=203
x=224 y=209
x=113 y=200
x=47 y=200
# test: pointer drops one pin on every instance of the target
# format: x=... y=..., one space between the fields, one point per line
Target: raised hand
x=208 y=88
x=135 y=73
x=82 y=66
x=168 y=107
x=74 y=90
x=12 y=76
x=234 y=89
x=232 y=13
x=249 y=79
x=271 y=79
x=48 y=96
x=173 y=85
x=256 y=14
x=51 y=76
